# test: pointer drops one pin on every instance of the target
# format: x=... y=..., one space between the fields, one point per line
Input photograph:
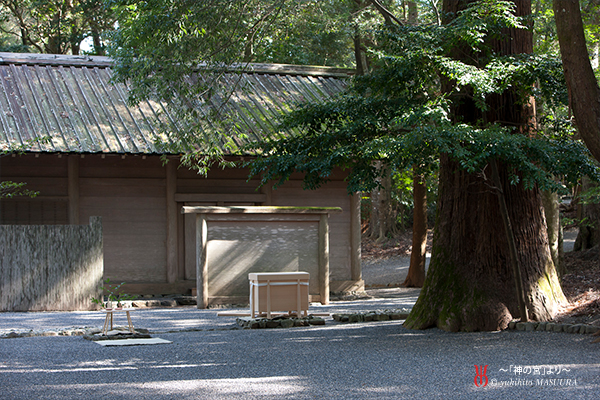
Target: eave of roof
x=72 y=101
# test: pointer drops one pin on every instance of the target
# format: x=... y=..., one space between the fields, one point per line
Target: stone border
x=553 y=327
x=119 y=332
x=368 y=316
x=258 y=323
x=278 y=322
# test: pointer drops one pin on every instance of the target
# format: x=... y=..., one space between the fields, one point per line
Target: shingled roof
x=72 y=101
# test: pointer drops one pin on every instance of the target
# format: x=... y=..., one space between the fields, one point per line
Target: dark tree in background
x=584 y=99
x=54 y=26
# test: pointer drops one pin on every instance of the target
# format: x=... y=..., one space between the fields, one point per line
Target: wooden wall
x=49 y=267
x=236 y=248
x=129 y=194
x=148 y=243
x=333 y=195
x=50 y=180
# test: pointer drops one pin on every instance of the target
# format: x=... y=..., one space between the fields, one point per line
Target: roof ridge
x=106 y=62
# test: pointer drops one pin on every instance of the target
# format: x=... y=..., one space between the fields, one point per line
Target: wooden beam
x=37 y=198
x=172 y=216
x=73 y=189
x=267 y=190
x=221 y=197
x=55 y=59
x=324 y=259
x=202 y=262
x=355 y=238
x=259 y=210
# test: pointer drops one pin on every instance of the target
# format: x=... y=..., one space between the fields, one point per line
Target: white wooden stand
x=108 y=321
x=278 y=291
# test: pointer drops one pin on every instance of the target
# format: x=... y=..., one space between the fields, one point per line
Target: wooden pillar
x=172 y=216
x=268 y=191
x=73 y=189
x=201 y=261
x=324 y=258
x=355 y=238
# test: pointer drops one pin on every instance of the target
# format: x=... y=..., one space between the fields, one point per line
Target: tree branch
x=387 y=15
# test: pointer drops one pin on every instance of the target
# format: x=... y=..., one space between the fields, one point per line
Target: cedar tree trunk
x=552 y=215
x=589 y=231
x=584 y=92
x=584 y=98
x=416 y=270
x=470 y=283
x=382 y=219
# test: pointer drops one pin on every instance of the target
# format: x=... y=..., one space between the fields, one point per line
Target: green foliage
x=112 y=293
x=9 y=189
x=398 y=114
x=590 y=196
x=309 y=33
x=160 y=44
x=53 y=26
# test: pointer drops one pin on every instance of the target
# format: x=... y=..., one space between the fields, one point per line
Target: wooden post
x=73 y=189
x=201 y=261
x=268 y=191
x=355 y=237
x=324 y=259
x=171 y=206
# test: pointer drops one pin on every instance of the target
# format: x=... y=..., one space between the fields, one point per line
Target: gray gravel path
x=210 y=359
x=376 y=360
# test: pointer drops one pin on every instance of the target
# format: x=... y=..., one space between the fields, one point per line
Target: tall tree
x=468 y=247
x=584 y=99
x=418 y=255
x=584 y=92
x=483 y=122
x=56 y=26
x=398 y=115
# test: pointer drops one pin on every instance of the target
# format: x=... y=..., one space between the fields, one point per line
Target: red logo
x=480 y=372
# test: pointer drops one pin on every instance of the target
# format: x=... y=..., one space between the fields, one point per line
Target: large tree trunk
x=416 y=270
x=418 y=254
x=552 y=215
x=589 y=231
x=584 y=92
x=584 y=98
x=382 y=221
x=470 y=283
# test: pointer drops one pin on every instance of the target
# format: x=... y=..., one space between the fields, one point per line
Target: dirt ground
x=581 y=282
x=581 y=285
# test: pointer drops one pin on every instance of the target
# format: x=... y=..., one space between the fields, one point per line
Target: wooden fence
x=50 y=267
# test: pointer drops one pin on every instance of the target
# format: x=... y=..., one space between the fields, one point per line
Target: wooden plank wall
x=51 y=206
x=236 y=248
x=129 y=193
x=147 y=242
x=334 y=194
x=221 y=188
x=49 y=267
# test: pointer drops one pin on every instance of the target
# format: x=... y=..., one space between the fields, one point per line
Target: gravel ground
x=209 y=358
x=376 y=360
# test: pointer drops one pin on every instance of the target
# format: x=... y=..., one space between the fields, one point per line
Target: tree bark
x=552 y=215
x=418 y=255
x=382 y=219
x=589 y=231
x=584 y=92
x=470 y=284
